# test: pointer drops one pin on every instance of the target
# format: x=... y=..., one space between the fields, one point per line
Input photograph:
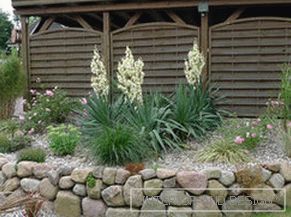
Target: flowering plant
x=99 y=79
x=52 y=106
x=130 y=77
x=194 y=65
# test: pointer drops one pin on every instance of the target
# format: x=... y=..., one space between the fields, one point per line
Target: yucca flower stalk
x=99 y=79
x=194 y=65
x=130 y=77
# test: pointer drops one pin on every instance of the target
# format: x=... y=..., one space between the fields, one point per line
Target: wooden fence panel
x=62 y=58
x=246 y=57
x=163 y=48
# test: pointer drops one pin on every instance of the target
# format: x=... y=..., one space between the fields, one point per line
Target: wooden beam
x=106 y=47
x=83 y=22
x=48 y=22
x=107 y=7
x=204 y=42
x=236 y=14
x=133 y=19
x=175 y=17
x=99 y=18
x=25 y=52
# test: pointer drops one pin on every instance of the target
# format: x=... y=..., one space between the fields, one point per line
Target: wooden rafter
x=175 y=17
x=83 y=22
x=236 y=14
x=47 y=23
x=100 y=19
x=133 y=19
x=38 y=25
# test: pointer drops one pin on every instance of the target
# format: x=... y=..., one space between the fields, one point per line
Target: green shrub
x=5 y=144
x=10 y=127
x=12 y=79
x=90 y=181
x=152 y=120
x=285 y=94
x=51 y=107
x=194 y=111
x=119 y=145
x=223 y=151
x=63 y=139
x=32 y=154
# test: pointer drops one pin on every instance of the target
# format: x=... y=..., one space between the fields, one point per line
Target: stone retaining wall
x=109 y=190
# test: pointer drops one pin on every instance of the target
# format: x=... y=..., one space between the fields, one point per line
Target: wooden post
x=107 y=48
x=25 y=52
x=204 y=43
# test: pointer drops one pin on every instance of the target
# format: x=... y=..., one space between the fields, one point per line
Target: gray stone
x=174 y=197
x=121 y=212
x=212 y=173
x=165 y=173
x=48 y=190
x=9 y=170
x=2 y=178
x=80 y=190
x=153 y=187
x=220 y=194
x=109 y=176
x=93 y=208
x=113 y=196
x=67 y=204
x=286 y=171
x=66 y=182
x=3 y=161
x=121 y=176
x=277 y=181
x=98 y=172
x=95 y=192
x=11 y=184
x=205 y=202
x=24 y=168
x=179 y=212
x=169 y=183
x=235 y=190
x=65 y=170
x=148 y=174
x=132 y=191
x=53 y=176
x=190 y=180
x=273 y=167
x=15 y=195
x=227 y=178
x=242 y=205
x=280 y=197
x=80 y=175
x=263 y=192
x=40 y=171
x=266 y=206
x=266 y=174
x=30 y=185
x=158 y=208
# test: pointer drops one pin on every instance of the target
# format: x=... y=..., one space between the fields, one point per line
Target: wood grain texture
x=246 y=56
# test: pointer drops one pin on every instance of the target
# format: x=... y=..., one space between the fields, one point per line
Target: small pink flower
x=84 y=101
x=269 y=126
x=239 y=140
x=31 y=131
x=289 y=124
x=33 y=92
x=49 y=93
x=254 y=135
x=21 y=117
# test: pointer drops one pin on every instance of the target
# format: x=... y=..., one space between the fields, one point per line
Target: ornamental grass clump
x=130 y=77
x=99 y=79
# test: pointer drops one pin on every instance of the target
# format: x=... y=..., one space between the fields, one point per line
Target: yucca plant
x=223 y=151
x=152 y=120
x=194 y=111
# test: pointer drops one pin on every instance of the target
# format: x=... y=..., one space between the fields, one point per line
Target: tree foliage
x=6 y=27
